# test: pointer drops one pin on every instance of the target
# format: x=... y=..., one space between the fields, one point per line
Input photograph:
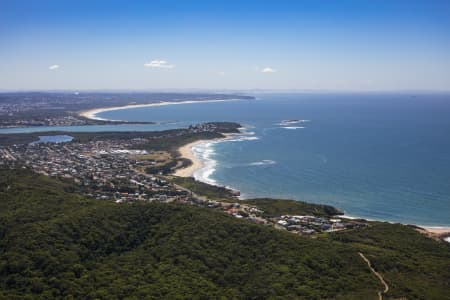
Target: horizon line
x=212 y=90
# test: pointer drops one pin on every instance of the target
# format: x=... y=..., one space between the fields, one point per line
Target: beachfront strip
x=121 y=170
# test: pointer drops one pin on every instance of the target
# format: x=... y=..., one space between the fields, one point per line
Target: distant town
x=63 y=109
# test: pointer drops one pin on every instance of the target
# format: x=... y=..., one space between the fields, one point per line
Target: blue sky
x=232 y=44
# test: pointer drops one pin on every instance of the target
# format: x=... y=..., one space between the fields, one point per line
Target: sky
x=349 y=45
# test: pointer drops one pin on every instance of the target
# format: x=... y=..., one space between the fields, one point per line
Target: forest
x=56 y=244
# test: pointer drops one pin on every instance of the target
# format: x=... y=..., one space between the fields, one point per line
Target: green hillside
x=56 y=244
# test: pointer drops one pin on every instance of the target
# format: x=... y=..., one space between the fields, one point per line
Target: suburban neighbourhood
x=121 y=170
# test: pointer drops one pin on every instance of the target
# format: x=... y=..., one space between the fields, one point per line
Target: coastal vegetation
x=278 y=207
x=414 y=266
x=212 y=192
x=55 y=243
x=271 y=207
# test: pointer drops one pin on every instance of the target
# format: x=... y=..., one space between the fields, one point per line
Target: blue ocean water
x=378 y=156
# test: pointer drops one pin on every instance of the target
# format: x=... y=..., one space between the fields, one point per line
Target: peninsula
x=92 y=113
x=30 y=109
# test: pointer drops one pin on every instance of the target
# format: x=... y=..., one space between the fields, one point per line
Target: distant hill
x=57 y=244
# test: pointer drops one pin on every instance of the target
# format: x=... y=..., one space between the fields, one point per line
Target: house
x=282 y=223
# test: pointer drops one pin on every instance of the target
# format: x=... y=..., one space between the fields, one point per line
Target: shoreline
x=439 y=230
x=186 y=151
x=92 y=113
x=435 y=232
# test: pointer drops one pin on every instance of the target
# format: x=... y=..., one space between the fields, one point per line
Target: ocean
x=376 y=156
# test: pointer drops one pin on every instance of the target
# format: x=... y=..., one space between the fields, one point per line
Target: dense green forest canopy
x=57 y=244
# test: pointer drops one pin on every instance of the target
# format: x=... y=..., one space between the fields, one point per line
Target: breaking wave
x=263 y=162
x=293 y=127
x=206 y=152
x=291 y=122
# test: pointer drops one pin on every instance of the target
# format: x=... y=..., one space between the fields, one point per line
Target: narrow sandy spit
x=92 y=113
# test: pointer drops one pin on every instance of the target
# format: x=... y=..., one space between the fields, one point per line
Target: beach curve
x=196 y=163
x=92 y=113
x=187 y=151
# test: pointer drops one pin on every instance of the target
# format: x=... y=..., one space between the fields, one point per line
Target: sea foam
x=205 y=152
x=293 y=127
x=263 y=162
x=292 y=122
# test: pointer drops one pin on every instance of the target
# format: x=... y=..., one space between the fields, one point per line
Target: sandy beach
x=186 y=152
x=92 y=113
x=436 y=233
x=438 y=230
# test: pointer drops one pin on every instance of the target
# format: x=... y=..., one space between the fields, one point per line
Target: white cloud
x=53 y=67
x=268 y=70
x=221 y=73
x=159 y=64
